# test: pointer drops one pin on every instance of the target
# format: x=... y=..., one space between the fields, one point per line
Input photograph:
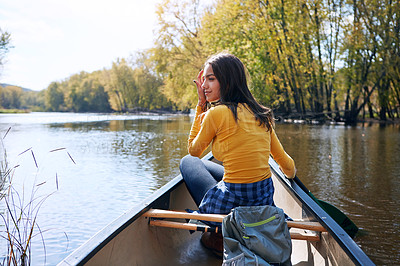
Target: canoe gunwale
x=87 y=250
x=355 y=253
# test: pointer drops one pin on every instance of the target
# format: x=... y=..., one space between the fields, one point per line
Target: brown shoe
x=214 y=242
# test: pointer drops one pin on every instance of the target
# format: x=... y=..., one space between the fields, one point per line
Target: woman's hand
x=288 y=173
x=200 y=91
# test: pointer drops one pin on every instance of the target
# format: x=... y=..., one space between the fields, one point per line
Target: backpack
x=256 y=235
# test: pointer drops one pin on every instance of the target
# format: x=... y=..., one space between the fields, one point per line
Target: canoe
x=131 y=240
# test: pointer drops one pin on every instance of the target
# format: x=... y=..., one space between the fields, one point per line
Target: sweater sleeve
x=202 y=132
x=285 y=162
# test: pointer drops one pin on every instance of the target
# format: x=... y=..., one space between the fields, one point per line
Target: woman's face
x=210 y=85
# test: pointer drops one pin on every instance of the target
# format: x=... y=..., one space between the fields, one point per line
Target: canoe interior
x=131 y=241
x=140 y=244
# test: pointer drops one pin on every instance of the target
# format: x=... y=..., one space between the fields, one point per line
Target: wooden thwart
x=156 y=213
x=206 y=228
x=187 y=226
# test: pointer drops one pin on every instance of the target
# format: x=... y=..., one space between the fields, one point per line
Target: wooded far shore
x=310 y=60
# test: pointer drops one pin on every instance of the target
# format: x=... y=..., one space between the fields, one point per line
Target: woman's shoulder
x=218 y=112
x=221 y=108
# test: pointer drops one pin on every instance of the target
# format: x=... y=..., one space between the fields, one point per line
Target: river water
x=94 y=167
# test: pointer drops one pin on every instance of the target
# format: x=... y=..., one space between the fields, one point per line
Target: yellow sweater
x=243 y=147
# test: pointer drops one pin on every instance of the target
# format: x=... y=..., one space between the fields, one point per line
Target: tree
x=372 y=55
x=5 y=45
x=33 y=100
x=122 y=85
x=261 y=34
x=148 y=82
x=54 y=97
x=10 y=97
x=381 y=20
x=99 y=100
x=178 y=52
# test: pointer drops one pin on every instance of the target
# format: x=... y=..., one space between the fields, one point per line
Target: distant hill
x=24 y=89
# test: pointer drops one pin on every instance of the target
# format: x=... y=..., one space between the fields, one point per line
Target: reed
x=21 y=210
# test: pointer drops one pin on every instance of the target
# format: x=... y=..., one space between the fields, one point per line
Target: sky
x=54 y=39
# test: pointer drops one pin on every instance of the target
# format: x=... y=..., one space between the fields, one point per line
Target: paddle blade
x=348 y=226
x=337 y=215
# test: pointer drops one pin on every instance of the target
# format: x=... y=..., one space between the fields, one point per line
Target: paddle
x=336 y=214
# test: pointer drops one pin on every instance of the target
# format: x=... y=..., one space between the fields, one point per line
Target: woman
x=242 y=136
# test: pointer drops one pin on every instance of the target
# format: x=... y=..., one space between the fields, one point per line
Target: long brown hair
x=231 y=74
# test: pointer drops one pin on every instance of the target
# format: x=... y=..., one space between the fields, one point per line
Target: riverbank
x=280 y=118
x=310 y=118
x=395 y=121
x=13 y=111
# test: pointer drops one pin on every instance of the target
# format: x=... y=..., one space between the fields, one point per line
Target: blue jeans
x=200 y=176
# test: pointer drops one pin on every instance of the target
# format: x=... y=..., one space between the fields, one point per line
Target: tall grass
x=21 y=210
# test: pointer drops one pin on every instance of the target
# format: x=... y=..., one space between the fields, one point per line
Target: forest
x=333 y=59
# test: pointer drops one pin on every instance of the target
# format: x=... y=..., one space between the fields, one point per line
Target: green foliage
x=16 y=98
x=125 y=87
x=149 y=84
x=33 y=100
x=179 y=53
x=54 y=97
x=5 y=44
x=294 y=52
x=10 y=97
x=83 y=92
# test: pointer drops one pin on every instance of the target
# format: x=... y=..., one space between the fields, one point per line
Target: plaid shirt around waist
x=223 y=197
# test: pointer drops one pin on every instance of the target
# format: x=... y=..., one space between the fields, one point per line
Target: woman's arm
x=285 y=162
x=202 y=132
x=200 y=92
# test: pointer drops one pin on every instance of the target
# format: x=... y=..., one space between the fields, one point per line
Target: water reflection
x=356 y=169
x=155 y=145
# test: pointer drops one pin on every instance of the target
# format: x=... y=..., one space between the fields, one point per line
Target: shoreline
x=395 y=121
x=279 y=118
